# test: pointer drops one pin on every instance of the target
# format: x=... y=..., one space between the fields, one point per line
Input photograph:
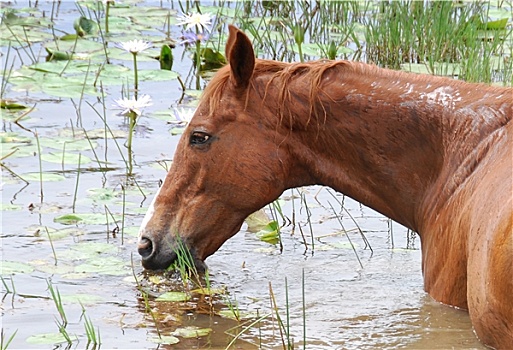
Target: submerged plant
x=132 y=108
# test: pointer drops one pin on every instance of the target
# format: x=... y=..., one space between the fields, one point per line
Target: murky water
x=333 y=301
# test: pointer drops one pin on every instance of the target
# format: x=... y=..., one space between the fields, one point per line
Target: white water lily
x=198 y=21
x=134 y=46
x=183 y=116
x=132 y=105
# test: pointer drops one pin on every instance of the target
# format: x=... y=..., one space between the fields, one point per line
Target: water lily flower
x=132 y=105
x=134 y=46
x=182 y=116
x=191 y=38
x=198 y=21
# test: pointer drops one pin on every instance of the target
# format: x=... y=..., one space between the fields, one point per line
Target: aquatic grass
x=233 y=307
x=308 y=218
x=7 y=290
x=246 y=329
x=185 y=263
x=444 y=36
x=284 y=336
x=4 y=341
x=76 y=183
x=93 y=335
x=347 y=235
x=123 y=212
x=40 y=165
x=341 y=203
x=51 y=245
x=56 y=297
x=6 y=72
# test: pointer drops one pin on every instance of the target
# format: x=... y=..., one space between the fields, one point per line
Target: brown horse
x=432 y=153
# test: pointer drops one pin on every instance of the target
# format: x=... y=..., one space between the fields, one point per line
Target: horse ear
x=241 y=57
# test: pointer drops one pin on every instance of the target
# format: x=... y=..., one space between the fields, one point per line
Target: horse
x=434 y=154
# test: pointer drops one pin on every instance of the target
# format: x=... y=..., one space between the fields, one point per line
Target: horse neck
x=384 y=138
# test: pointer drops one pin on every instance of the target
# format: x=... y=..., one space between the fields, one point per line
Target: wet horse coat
x=431 y=153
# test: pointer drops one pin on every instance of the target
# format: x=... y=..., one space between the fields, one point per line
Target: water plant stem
x=132 y=118
x=136 y=76
x=198 y=64
x=76 y=183
x=40 y=165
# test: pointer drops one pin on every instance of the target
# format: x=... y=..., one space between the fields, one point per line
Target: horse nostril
x=145 y=247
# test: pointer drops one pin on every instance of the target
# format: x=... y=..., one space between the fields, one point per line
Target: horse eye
x=199 y=138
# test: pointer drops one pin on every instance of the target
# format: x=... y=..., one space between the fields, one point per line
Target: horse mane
x=283 y=73
x=313 y=72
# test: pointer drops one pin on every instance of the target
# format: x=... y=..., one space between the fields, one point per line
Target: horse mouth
x=153 y=258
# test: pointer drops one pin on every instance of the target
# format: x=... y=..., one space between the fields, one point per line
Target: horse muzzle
x=160 y=255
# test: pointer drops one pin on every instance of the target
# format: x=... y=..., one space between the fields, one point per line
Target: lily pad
x=270 y=233
x=13 y=267
x=173 y=296
x=101 y=195
x=95 y=247
x=10 y=207
x=69 y=144
x=68 y=219
x=46 y=339
x=86 y=299
x=103 y=265
x=47 y=177
x=192 y=332
x=66 y=158
x=257 y=221
x=165 y=339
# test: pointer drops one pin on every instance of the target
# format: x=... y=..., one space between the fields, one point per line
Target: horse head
x=228 y=163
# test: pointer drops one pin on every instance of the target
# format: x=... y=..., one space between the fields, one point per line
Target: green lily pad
x=84 y=26
x=270 y=233
x=173 y=296
x=236 y=314
x=104 y=265
x=5 y=104
x=157 y=75
x=13 y=267
x=95 y=248
x=68 y=144
x=14 y=137
x=51 y=268
x=165 y=339
x=192 y=332
x=47 y=177
x=68 y=219
x=209 y=291
x=46 y=339
x=57 y=55
x=10 y=207
x=66 y=158
x=495 y=25
x=101 y=195
x=85 y=299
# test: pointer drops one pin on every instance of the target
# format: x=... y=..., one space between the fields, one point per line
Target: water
x=379 y=304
